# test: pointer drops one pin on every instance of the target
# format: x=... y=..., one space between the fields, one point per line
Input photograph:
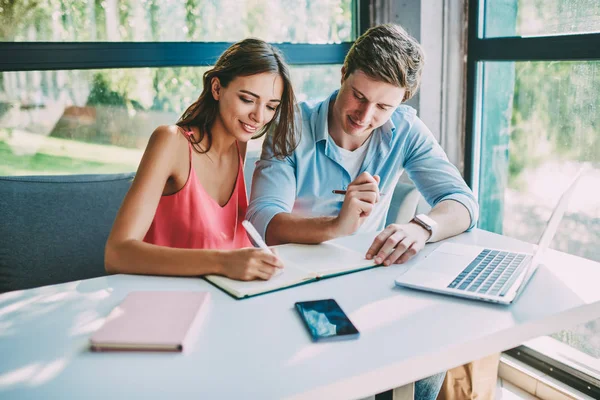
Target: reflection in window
x=541 y=17
x=545 y=124
x=540 y=126
x=311 y=21
x=99 y=121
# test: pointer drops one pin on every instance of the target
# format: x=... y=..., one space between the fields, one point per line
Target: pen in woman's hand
x=253 y=233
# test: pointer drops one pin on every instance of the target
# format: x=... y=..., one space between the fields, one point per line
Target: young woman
x=183 y=213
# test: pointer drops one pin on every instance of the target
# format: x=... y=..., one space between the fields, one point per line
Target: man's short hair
x=389 y=54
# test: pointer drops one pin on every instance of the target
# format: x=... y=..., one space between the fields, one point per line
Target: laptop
x=475 y=272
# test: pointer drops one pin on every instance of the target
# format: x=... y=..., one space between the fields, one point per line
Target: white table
x=258 y=349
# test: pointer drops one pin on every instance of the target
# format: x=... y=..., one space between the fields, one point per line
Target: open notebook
x=152 y=321
x=303 y=263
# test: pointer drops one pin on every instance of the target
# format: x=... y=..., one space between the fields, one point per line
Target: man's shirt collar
x=321 y=119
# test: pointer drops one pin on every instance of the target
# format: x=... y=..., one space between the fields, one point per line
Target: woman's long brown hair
x=245 y=58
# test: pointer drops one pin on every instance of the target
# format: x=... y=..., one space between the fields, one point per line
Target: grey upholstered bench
x=53 y=229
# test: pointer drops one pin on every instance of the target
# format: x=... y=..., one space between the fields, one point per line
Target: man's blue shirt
x=302 y=183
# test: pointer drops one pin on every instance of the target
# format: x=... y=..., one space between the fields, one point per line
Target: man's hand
x=361 y=196
x=398 y=243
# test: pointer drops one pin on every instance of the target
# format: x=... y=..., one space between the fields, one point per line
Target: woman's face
x=248 y=103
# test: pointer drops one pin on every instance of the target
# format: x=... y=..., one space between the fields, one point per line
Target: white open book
x=303 y=263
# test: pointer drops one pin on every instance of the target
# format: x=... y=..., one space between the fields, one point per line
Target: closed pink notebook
x=152 y=321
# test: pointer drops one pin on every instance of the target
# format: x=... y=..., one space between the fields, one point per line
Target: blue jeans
x=428 y=388
x=425 y=389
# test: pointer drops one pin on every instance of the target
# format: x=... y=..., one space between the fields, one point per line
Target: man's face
x=364 y=104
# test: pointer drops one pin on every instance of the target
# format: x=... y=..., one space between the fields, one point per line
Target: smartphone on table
x=325 y=320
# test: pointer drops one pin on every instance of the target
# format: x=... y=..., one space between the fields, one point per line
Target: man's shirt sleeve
x=435 y=177
x=273 y=188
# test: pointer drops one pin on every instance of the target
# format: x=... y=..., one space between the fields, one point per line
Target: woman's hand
x=250 y=264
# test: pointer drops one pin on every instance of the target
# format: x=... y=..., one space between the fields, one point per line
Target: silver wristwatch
x=427 y=223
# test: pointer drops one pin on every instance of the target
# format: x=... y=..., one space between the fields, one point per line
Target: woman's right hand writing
x=250 y=264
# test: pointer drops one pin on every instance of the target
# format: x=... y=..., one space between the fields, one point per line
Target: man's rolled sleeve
x=273 y=192
x=435 y=177
x=467 y=200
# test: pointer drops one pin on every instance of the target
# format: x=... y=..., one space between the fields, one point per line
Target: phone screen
x=326 y=320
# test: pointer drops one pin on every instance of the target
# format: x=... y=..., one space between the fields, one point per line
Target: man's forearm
x=289 y=228
x=452 y=218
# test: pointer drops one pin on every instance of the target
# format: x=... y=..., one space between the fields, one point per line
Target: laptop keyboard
x=492 y=272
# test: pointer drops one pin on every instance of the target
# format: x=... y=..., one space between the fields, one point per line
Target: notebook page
x=290 y=276
x=322 y=259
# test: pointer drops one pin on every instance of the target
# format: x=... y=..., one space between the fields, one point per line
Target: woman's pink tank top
x=191 y=219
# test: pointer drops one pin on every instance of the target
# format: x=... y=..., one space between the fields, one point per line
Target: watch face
x=427 y=222
x=421 y=223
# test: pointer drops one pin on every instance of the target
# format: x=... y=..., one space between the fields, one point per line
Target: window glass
x=540 y=125
x=99 y=121
x=308 y=21
x=540 y=17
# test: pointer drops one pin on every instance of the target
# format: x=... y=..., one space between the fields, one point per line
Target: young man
x=360 y=140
